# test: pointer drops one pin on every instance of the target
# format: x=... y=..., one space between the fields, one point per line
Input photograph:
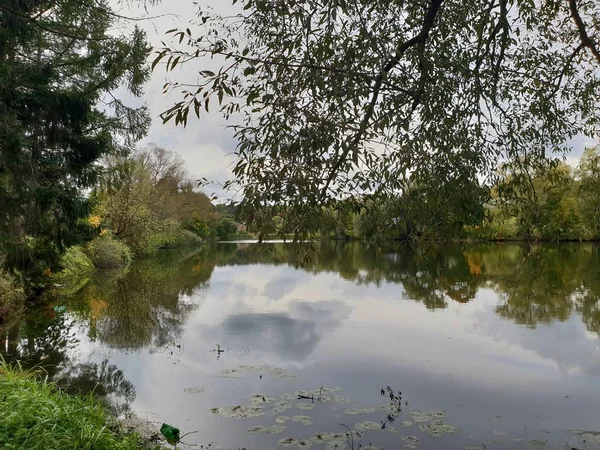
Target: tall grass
x=35 y=415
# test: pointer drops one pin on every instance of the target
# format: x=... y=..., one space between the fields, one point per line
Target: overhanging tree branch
x=586 y=40
x=420 y=40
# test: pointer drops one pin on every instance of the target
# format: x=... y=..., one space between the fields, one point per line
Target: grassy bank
x=35 y=415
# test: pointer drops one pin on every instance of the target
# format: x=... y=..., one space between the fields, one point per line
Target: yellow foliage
x=95 y=220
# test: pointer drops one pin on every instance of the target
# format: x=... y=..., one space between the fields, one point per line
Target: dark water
x=501 y=341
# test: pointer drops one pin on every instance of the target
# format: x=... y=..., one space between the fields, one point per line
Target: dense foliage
x=335 y=100
x=60 y=66
x=147 y=201
x=547 y=200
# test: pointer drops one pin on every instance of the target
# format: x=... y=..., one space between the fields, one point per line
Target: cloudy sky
x=205 y=144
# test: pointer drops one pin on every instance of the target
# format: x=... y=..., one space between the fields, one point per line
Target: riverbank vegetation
x=37 y=415
x=371 y=161
x=546 y=201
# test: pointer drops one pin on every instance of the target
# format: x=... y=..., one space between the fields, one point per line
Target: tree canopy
x=61 y=63
x=338 y=99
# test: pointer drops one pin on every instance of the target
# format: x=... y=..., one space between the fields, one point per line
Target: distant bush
x=225 y=228
x=185 y=238
x=12 y=299
x=76 y=269
x=107 y=252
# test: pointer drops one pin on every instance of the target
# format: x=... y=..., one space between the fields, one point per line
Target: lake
x=265 y=347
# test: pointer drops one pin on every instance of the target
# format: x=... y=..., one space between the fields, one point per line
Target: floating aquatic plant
x=333 y=398
x=438 y=428
x=367 y=425
x=593 y=435
x=279 y=407
x=305 y=406
x=422 y=417
x=304 y=420
x=302 y=443
x=273 y=429
x=260 y=399
x=194 y=390
x=356 y=411
x=282 y=419
x=287 y=442
x=536 y=443
x=238 y=411
x=411 y=440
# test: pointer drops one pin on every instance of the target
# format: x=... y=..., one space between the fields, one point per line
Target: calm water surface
x=500 y=341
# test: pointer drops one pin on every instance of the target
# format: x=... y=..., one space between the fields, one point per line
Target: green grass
x=35 y=415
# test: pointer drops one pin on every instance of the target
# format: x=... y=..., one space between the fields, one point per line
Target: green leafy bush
x=184 y=238
x=37 y=416
x=225 y=228
x=107 y=252
x=76 y=269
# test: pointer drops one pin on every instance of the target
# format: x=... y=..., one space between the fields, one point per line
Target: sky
x=206 y=144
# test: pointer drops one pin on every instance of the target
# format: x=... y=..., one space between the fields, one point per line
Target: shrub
x=185 y=238
x=12 y=299
x=76 y=269
x=226 y=228
x=107 y=252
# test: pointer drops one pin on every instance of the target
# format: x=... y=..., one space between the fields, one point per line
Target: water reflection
x=482 y=331
x=144 y=305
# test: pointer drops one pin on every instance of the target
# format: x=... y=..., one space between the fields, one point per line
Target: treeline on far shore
x=527 y=201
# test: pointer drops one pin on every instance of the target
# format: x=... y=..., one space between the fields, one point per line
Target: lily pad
x=356 y=411
x=304 y=420
x=260 y=399
x=194 y=390
x=302 y=443
x=282 y=419
x=333 y=398
x=538 y=444
x=367 y=425
x=419 y=417
x=438 y=428
x=305 y=406
x=287 y=442
x=321 y=438
x=411 y=440
x=593 y=435
x=238 y=411
x=369 y=447
x=273 y=429
x=282 y=406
